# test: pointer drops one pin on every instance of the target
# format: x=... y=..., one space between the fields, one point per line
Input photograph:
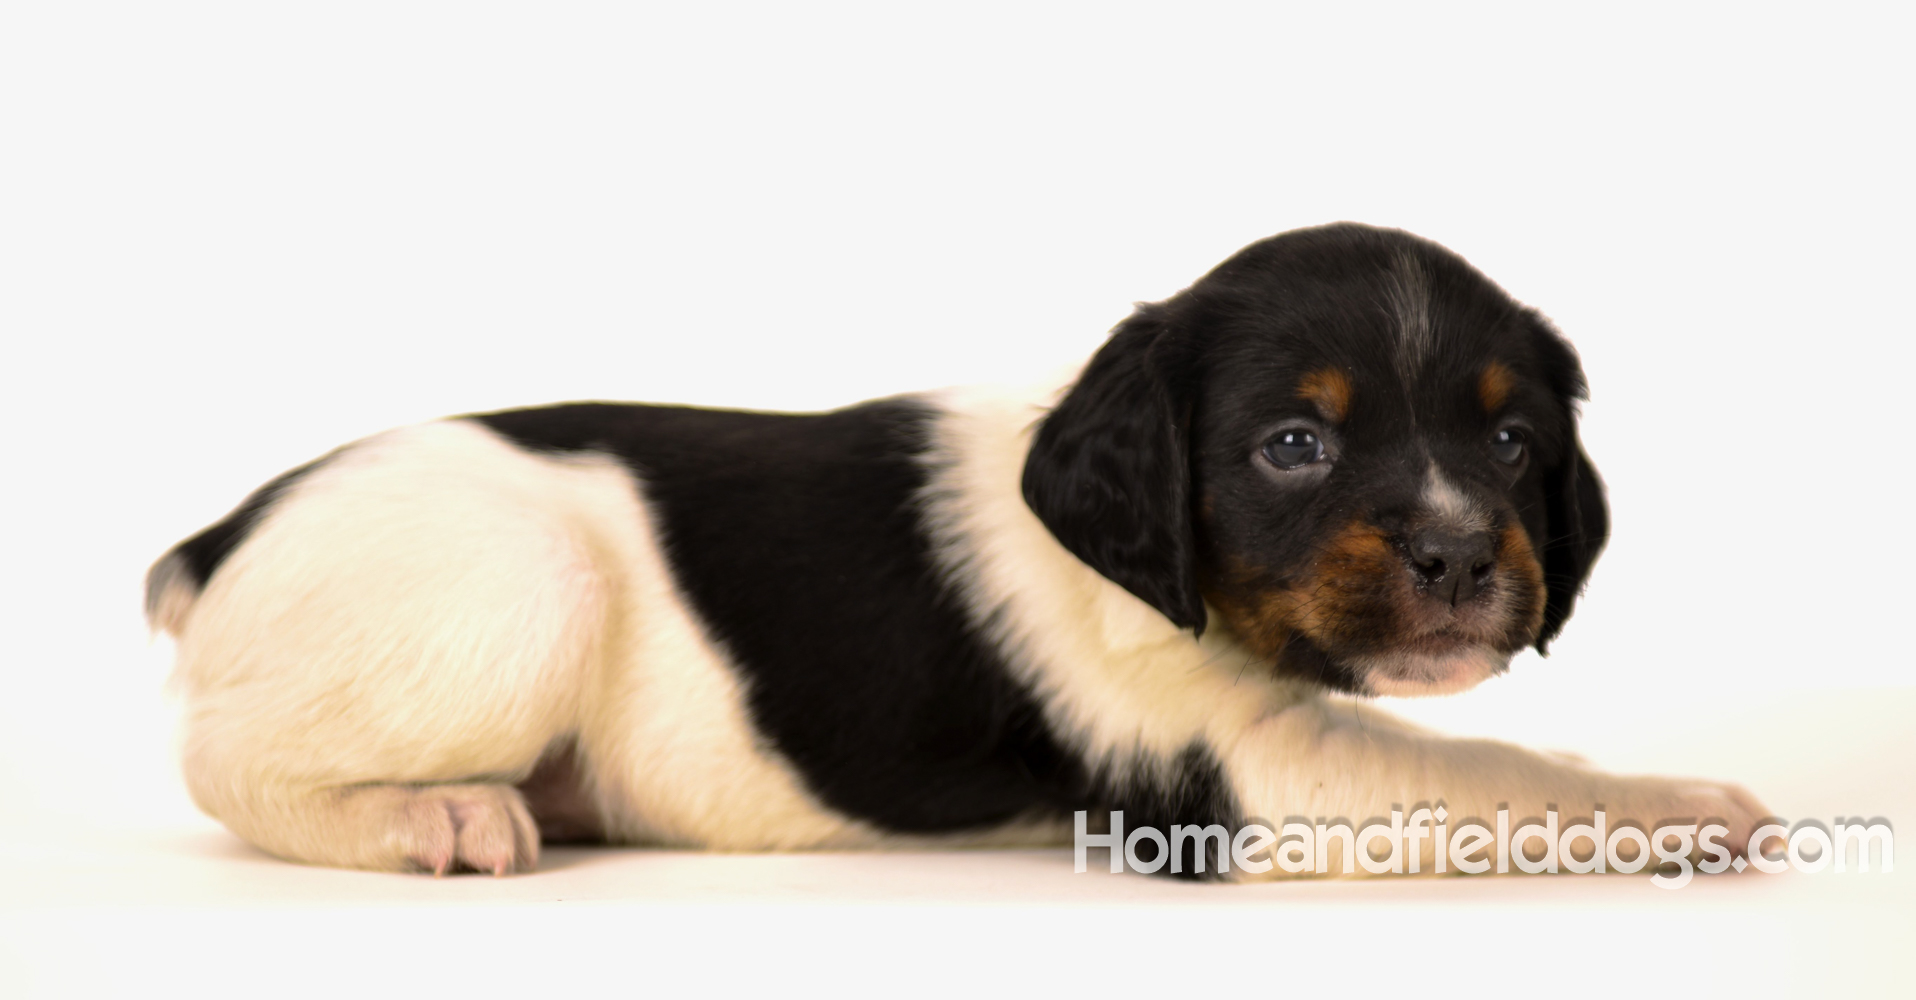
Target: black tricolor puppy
x=1342 y=460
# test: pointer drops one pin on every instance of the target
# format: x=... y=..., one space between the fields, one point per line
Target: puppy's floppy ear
x=1577 y=519
x=1109 y=470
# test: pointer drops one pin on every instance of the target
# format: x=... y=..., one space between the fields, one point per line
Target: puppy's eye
x=1507 y=446
x=1294 y=449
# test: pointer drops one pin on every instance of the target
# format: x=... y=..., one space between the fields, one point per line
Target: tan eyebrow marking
x=1330 y=390
x=1494 y=385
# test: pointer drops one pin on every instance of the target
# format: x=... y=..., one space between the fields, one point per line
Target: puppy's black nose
x=1452 y=566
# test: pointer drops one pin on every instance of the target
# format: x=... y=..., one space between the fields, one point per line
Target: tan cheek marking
x=1323 y=605
x=1246 y=609
x=1330 y=390
x=1353 y=562
x=1495 y=385
x=1518 y=562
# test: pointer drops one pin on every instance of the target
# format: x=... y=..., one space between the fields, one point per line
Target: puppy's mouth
x=1421 y=674
x=1425 y=667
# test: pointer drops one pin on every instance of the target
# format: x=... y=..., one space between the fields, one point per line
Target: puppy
x=1343 y=461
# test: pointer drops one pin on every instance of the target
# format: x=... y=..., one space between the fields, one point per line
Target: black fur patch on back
x=797 y=537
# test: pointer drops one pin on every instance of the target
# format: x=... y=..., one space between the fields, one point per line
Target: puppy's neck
x=1110 y=670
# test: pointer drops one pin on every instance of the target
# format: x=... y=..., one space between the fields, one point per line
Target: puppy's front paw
x=453 y=828
x=1660 y=801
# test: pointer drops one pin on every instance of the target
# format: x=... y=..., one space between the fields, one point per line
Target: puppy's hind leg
x=482 y=828
x=368 y=677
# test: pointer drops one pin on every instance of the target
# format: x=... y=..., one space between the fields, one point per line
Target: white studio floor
x=106 y=909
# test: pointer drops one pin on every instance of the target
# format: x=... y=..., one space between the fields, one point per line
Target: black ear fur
x=1577 y=519
x=1109 y=469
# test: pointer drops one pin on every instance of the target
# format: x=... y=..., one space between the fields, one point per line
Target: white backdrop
x=234 y=236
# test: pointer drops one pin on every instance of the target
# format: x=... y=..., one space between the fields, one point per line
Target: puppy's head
x=1349 y=443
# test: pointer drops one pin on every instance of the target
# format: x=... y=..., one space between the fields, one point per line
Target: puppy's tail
x=171 y=589
x=175 y=582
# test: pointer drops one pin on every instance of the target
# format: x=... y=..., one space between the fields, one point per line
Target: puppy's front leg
x=1328 y=761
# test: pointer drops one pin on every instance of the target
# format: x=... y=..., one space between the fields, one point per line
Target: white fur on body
x=436 y=605
x=420 y=618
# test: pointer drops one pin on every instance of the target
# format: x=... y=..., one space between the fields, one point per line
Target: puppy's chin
x=1419 y=674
